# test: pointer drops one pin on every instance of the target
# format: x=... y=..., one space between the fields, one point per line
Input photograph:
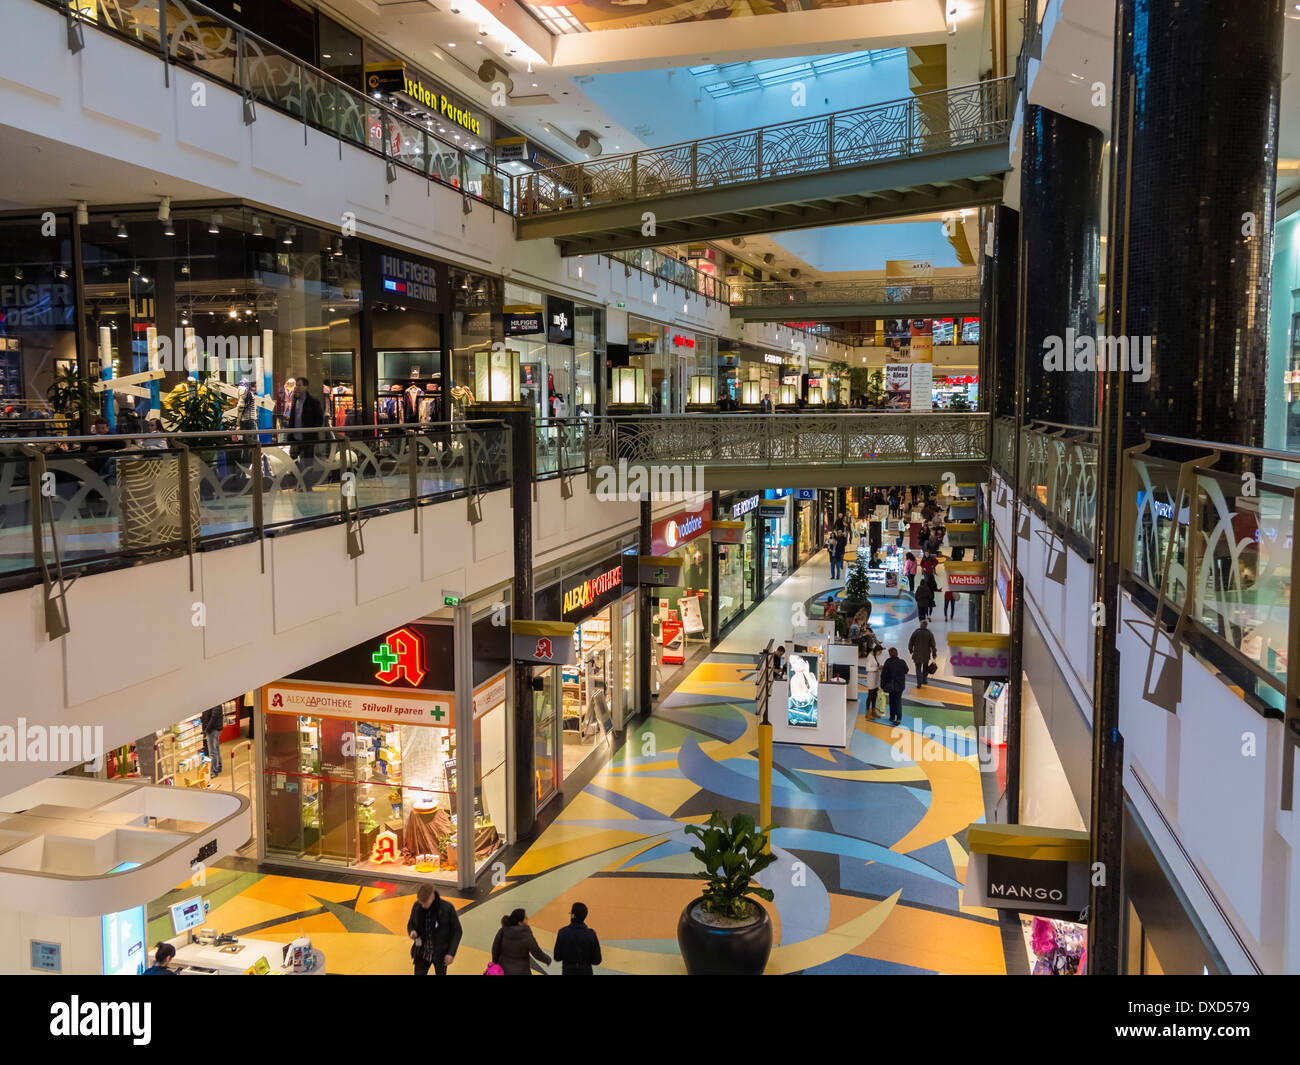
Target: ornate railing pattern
x=675 y=272
x=1004 y=435
x=192 y=35
x=1231 y=550
x=1059 y=471
x=122 y=502
x=560 y=446
x=776 y=440
x=868 y=290
x=961 y=117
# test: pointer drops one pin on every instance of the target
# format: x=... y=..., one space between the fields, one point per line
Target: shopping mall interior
x=649 y=487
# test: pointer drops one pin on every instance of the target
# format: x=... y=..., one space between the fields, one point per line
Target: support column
x=1001 y=325
x=645 y=546
x=1060 y=231
x=1193 y=161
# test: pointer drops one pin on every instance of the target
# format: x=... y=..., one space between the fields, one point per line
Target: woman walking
x=872 y=681
x=514 y=944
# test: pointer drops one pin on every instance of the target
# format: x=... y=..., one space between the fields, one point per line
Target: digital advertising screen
x=122 y=942
x=943 y=331
x=970 y=330
x=801 y=706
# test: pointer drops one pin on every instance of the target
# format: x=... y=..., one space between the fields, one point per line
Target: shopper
x=162 y=955
x=778 y=662
x=435 y=930
x=576 y=947
x=949 y=605
x=893 y=679
x=514 y=944
x=923 y=650
x=909 y=570
x=893 y=503
x=924 y=600
x=765 y=406
x=872 y=680
x=213 y=720
x=928 y=565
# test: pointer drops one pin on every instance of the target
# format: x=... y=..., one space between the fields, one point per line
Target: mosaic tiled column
x=999 y=309
x=1192 y=177
x=1060 y=244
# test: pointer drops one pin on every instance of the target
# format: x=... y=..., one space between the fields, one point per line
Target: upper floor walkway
x=934 y=152
x=857 y=298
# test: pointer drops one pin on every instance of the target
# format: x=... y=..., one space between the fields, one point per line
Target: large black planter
x=709 y=950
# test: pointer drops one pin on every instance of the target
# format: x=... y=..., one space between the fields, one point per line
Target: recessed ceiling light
x=326 y=55
x=451 y=44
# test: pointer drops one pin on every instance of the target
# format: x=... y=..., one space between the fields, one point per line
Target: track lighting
x=83 y=213
x=214 y=223
x=257 y=226
x=119 y=228
x=164 y=209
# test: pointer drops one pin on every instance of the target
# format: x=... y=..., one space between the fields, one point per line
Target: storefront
x=811 y=523
x=404 y=331
x=364 y=756
x=682 y=613
x=578 y=706
x=559 y=342
x=763 y=368
x=739 y=564
x=688 y=355
x=645 y=352
x=778 y=535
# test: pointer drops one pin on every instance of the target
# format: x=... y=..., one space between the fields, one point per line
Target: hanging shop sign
x=400 y=279
x=684 y=343
x=527 y=323
x=728 y=532
x=385 y=77
x=446 y=107
x=805 y=494
x=965 y=576
x=559 y=321
x=743 y=506
x=962 y=534
x=545 y=642
x=333 y=700
x=680 y=529
x=1023 y=867
x=773 y=509
x=986 y=655
x=656 y=572
x=775 y=360
x=416 y=655
x=590 y=591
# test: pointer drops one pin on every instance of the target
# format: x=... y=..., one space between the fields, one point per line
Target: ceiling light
x=257 y=226
x=83 y=213
x=164 y=209
x=169 y=230
x=119 y=227
x=451 y=44
x=18 y=273
x=135 y=269
x=214 y=223
x=288 y=236
x=326 y=55
x=234 y=313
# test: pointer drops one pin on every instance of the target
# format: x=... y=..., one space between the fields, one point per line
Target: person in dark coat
x=922 y=647
x=893 y=679
x=924 y=600
x=305 y=412
x=576 y=947
x=435 y=931
x=514 y=943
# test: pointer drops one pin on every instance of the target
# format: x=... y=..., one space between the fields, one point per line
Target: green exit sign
x=451 y=600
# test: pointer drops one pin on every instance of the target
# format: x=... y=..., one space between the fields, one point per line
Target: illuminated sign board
x=443 y=104
x=400 y=657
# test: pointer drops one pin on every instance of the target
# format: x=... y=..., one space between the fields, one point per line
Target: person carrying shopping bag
x=871 y=681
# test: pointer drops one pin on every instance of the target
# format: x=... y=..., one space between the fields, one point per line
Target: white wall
x=135 y=662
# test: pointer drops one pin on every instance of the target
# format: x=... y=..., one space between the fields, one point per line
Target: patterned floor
x=870 y=841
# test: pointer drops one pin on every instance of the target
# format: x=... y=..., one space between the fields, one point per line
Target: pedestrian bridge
x=796 y=450
x=938 y=151
x=866 y=298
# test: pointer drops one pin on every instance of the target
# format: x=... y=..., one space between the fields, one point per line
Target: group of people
x=435 y=933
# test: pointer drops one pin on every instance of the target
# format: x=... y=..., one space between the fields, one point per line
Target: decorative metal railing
x=185 y=33
x=675 y=272
x=560 y=446
x=1217 y=547
x=781 y=294
x=1058 y=470
x=788 y=439
x=108 y=501
x=966 y=116
x=1004 y=435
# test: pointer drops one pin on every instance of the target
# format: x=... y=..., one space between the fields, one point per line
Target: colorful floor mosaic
x=870 y=845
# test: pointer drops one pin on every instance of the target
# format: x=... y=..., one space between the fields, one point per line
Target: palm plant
x=69 y=395
x=732 y=855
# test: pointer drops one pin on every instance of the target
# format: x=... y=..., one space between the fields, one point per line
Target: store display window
x=737 y=563
x=681 y=615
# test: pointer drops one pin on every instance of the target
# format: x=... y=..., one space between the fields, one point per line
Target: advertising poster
x=801 y=707
x=122 y=942
x=674 y=640
x=691 y=618
x=909 y=279
x=922 y=360
x=898 y=387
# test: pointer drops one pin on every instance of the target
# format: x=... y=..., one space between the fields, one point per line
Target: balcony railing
x=1218 y=548
x=788 y=439
x=870 y=290
x=103 y=502
x=188 y=34
x=560 y=447
x=967 y=116
x=675 y=272
x=1058 y=475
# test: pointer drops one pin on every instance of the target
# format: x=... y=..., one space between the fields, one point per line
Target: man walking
x=434 y=929
x=923 y=650
x=893 y=679
x=577 y=947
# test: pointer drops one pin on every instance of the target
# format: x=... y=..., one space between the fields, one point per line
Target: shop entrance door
x=546 y=734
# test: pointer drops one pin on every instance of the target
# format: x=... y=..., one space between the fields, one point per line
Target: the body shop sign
x=670 y=534
x=986 y=655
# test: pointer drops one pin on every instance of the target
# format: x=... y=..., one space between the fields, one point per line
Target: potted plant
x=69 y=395
x=724 y=932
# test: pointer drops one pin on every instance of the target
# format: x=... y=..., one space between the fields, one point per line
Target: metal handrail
x=701 y=280
x=323 y=431
x=1235 y=449
x=998 y=92
x=779 y=293
x=168 y=47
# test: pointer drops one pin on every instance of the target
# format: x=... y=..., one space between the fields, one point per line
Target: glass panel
x=273 y=77
x=545 y=755
x=489 y=783
x=203 y=41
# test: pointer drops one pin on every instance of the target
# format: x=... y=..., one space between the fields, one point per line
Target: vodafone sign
x=675 y=531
